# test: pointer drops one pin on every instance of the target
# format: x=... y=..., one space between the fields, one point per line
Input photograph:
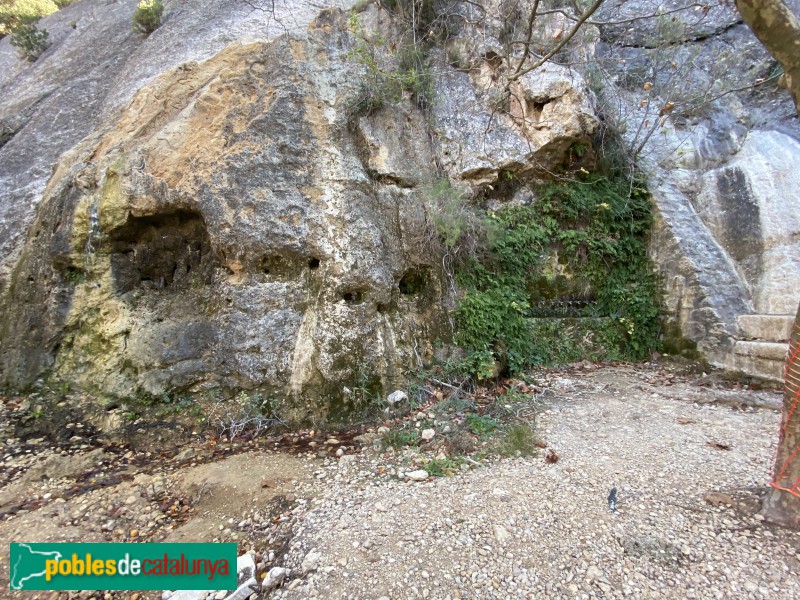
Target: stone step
x=759 y=359
x=766 y=327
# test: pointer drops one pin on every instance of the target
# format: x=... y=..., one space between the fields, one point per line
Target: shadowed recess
x=165 y=251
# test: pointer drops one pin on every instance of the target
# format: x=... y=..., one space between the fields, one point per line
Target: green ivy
x=597 y=229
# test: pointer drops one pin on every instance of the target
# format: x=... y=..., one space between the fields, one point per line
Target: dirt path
x=689 y=463
x=524 y=528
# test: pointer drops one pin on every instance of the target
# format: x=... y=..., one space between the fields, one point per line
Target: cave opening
x=165 y=251
x=413 y=282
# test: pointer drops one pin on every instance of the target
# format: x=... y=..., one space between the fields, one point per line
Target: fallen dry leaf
x=685 y=421
x=718 y=446
x=551 y=457
x=718 y=499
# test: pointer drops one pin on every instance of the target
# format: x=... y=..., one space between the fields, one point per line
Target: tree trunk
x=779 y=30
x=783 y=503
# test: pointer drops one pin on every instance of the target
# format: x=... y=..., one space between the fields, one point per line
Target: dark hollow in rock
x=534 y=110
x=169 y=250
x=353 y=296
x=414 y=281
x=74 y=275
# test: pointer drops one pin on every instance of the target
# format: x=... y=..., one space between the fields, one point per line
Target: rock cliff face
x=244 y=223
x=550 y=113
x=722 y=171
x=92 y=69
x=207 y=208
x=694 y=98
x=226 y=230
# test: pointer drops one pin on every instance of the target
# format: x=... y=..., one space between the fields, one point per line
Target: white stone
x=418 y=475
x=501 y=534
x=310 y=562
x=428 y=434
x=246 y=564
x=191 y=594
x=274 y=578
x=504 y=495
x=593 y=573
x=396 y=397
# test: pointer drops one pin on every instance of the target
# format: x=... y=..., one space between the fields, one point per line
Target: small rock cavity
x=165 y=251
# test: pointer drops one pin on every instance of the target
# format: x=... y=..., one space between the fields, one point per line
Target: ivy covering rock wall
x=565 y=277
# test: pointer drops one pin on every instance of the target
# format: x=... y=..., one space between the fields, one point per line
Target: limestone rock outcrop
x=238 y=225
x=722 y=165
x=93 y=67
x=548 y=112
x=215 y=207
x=249 y=222
x=752 y=208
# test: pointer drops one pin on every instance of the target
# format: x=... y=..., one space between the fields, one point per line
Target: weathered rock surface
x=703 y=294
x=56 y=467
x=245 y=223
x=720 y=161
x=751 y=206
x=675 y=25
x=722 y=167
x=48 y=106
x=548 y=113
x=223 y=230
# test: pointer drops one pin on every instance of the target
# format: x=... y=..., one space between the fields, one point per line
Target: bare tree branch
x=654 y=15
x=528 y=36
x=564 y=41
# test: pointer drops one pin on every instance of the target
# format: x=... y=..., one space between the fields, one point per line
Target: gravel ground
x=689 y=457
x=689 y=473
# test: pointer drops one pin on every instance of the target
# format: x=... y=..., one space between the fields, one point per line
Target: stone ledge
x=766 y=327
x=766 y=350
x=759 y=359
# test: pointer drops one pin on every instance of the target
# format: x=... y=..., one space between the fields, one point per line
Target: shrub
x=441 y=467
x=147 y=17
x=386 y=83
x=30 y=40
x=17 y=13
x=481 y=425
x=461 y=228
x=398 y=438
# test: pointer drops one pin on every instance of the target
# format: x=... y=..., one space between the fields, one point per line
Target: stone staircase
x=761 y=349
